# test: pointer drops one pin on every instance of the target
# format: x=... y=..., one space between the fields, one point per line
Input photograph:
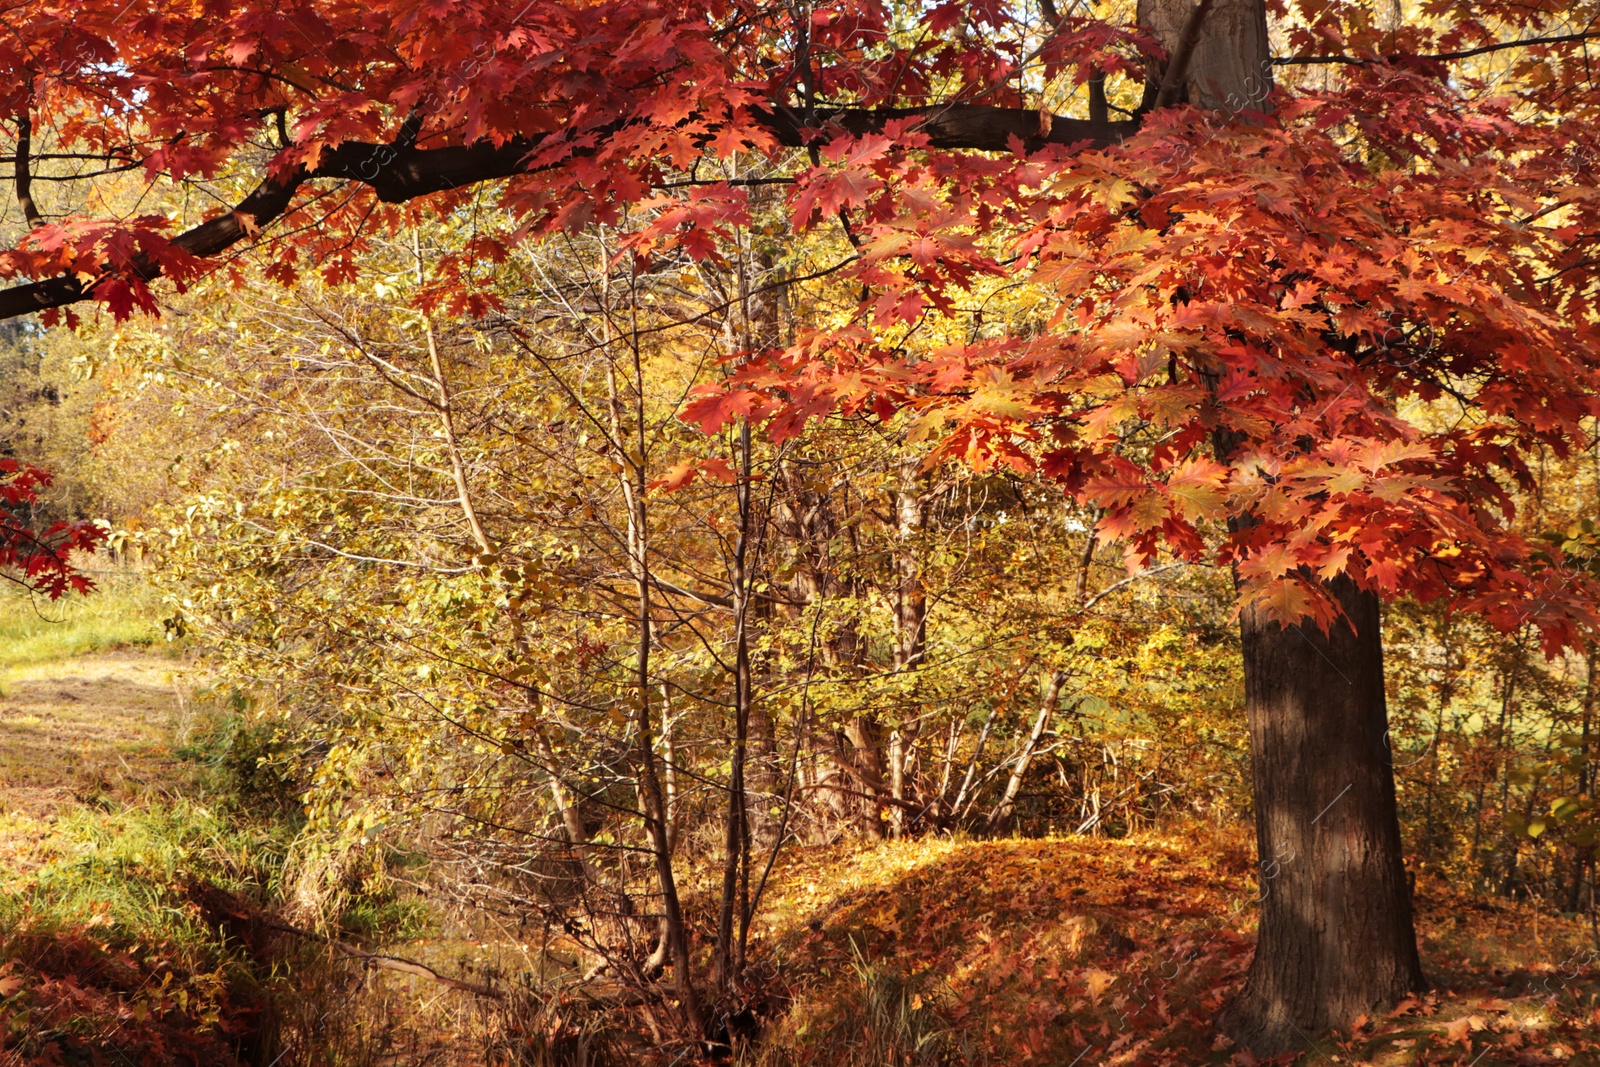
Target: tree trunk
x=724 y=966
x=911 y=598
x=1584 y=856
x=911 y=628
x=865 y=755
x=1336 y=936
x=762 y=295
x=632 y=478
x=1001 y=815
x=1226 y=67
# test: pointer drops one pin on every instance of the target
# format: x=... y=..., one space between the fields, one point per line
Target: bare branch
x=1114 y=586
x=30 y=211
x=1466 y=53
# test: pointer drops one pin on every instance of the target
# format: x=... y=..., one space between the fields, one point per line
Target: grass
x=123 y=612
x=127 y=869
x=104 y=952
x=108 y=948
x=103 y=948
x=144 y=841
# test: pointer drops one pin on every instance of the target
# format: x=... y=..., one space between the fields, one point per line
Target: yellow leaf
x=1098 y=981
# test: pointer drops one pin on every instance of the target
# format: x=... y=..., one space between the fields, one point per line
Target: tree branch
x=1114 y=586
x=1178 y=67
x=1099 y=107
x=24 y=176
x=399 y=172
x=1466 y=53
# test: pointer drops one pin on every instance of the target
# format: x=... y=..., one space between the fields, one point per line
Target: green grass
x=122 y=612
x=109 y=955
x=126 y=869
x=143 y=849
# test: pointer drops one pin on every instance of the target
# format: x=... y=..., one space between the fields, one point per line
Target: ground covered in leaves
x=1084 y=951
x=1057 y=951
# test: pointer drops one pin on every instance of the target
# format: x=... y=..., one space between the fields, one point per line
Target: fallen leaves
x=1020 y=945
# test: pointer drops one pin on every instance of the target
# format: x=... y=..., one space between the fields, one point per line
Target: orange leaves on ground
x=141 y=1004
x=1037 y=951
x=1127 y=952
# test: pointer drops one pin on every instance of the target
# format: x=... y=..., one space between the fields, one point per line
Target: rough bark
x=762 y=292
x=1336 y=936
x=911 y=598
x=806 y=518
x=911 y=630
x=1229 y=67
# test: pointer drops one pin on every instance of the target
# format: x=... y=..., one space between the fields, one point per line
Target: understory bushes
x=145 y=928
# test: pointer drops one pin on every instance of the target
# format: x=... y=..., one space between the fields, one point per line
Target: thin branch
x=1465 y=53
x=1114 y=586
x=387 y=962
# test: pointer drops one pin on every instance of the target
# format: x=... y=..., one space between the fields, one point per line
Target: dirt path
x=82 y=731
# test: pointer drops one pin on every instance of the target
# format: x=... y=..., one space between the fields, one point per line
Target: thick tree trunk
x=1336 y=936
x=1227 y=65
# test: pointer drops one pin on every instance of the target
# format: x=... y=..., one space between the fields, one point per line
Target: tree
x=39 y=561
x=1312 y=331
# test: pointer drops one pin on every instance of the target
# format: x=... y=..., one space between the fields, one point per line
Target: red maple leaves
x=1326 y=341
x=1266 y=350
x=41 y=561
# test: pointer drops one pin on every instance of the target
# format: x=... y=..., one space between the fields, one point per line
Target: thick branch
x=398 y=172
x=1099 y=107
x=266 y=203
x=970 y=126
x=20 y=166
x=1177 y=73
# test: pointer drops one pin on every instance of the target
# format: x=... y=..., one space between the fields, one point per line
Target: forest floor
x=1097 y=952
x=1061 y=951
x=102 y=822
x=91 y=730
